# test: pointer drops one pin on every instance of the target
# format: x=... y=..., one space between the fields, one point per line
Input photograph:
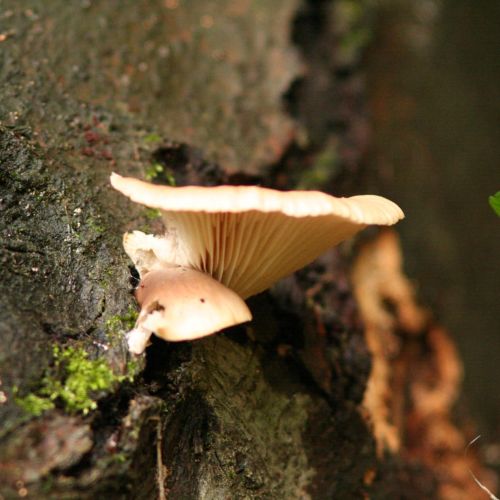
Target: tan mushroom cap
x=178 y=303
x=247 y=237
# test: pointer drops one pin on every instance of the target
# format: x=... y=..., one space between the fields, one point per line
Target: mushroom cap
x=363 y=209
x=247 y=237
x=178 y=303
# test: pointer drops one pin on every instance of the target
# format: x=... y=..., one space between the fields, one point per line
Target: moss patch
x=34 y=405
x=158 y=172
x=118 y=325
x=73 y=382
x=152 y=138
x=152 y=213
x=153 y=171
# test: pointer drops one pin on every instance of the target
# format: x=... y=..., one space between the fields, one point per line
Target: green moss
x=121 y=324
x=153 y=171
x=150 y=138
x=356 y=32
x=73 y=381
x=33 y=404
x=169 y=177
x=95 y=226
x=116 y=328
x=494 y=201
x=121 y=458
x=106 y=279
x=133 y=369
x=152 y=213
x=324 y=168
x=156 y=171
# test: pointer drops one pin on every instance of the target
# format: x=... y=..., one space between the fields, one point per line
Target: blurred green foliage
x=495 y=202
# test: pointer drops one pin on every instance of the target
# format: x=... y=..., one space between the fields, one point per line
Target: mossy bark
x=265 y=411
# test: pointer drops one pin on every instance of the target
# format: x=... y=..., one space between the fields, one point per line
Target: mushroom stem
x=138 y=339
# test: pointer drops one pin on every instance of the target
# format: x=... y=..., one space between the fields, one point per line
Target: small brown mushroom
x=245 y=237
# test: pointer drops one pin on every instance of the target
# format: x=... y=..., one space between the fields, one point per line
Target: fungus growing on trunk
x=244 y=237
x=179 y=303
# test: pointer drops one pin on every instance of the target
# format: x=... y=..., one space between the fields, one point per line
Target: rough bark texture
x=272 y=410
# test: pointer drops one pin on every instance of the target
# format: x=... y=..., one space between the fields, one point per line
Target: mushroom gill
x=244 y=237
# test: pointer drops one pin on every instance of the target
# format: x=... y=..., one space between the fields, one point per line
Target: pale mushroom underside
x=246 y=237
x=248 y=253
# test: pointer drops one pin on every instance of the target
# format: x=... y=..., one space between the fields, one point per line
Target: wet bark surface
x=156 y=89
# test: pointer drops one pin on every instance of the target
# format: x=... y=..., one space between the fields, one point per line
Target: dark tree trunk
x=276 y=409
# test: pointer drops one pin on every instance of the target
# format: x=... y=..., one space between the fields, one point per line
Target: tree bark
x=194 y=92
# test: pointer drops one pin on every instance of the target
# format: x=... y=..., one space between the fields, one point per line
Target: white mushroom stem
x=138 y=339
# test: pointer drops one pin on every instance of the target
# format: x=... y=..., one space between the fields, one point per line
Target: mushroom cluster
x=226 y=243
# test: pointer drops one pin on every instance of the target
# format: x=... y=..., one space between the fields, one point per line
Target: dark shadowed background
x=434 y=85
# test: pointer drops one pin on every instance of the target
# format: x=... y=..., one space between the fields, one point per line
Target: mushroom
x=179 y=303
x=244 y=237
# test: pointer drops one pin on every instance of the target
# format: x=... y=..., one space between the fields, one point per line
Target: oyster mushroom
x=179 y=303
x=244 y=237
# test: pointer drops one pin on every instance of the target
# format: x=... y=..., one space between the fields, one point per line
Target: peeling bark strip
x=416 y=372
